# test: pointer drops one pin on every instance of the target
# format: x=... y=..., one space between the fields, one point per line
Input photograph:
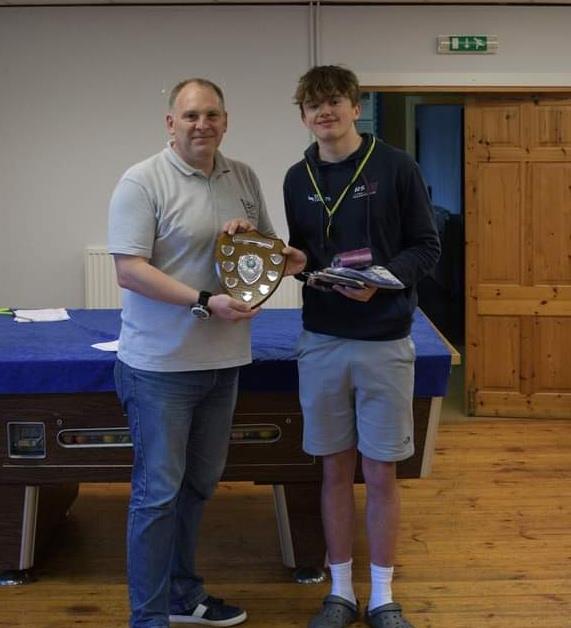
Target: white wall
x=396 y=45
x=81 y=98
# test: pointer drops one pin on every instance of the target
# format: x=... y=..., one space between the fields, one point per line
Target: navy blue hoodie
x=387 y=209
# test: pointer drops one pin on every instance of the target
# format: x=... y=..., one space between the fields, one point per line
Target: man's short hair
x=325 y=81
x=198 y=81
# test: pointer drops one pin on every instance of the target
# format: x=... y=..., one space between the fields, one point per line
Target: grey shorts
x=357 y=393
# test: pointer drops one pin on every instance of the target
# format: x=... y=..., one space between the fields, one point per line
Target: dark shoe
x=210 y=612
x=336 y=612
x=387 y=616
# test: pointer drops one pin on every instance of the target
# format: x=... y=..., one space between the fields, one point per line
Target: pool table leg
x=31 y=513
x=298 y=515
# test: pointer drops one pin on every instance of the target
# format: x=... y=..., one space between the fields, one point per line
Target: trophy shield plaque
x=250 y=265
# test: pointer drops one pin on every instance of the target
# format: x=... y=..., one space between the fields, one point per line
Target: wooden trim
x=563 y=90
x=509 y=404
x=472 y=355
x=500 y=291
x=335 y=3
x=531 y=307
x=509 y=300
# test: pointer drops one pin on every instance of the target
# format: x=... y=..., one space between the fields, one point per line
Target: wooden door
x=518 y=256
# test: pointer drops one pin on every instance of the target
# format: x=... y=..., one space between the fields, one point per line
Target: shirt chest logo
x=249 y=208
x=362 y=190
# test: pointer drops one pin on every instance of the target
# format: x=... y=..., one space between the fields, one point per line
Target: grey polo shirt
x=165 y=210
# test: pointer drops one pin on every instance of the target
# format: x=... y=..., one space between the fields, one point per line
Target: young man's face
x=197 y=123
x=332 y=119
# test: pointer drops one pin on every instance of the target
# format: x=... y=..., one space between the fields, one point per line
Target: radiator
x=102 y=291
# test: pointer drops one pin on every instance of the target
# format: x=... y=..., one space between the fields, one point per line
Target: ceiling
x=39 y=3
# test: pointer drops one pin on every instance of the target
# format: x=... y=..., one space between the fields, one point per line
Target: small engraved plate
x=249 y=265
x=244 y=238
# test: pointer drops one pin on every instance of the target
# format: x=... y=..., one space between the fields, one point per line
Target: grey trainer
x=336 y=612
x=387 y=616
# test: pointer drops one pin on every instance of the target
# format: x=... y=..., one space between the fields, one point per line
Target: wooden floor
x=485 y=541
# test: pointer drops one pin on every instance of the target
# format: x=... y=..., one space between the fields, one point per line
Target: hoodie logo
x=314 y=198
x=363 y=190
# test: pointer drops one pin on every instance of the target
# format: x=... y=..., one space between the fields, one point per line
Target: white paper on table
x=112 y=345
x=41 y=316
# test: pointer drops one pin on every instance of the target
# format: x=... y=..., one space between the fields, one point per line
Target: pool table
x=61 y=424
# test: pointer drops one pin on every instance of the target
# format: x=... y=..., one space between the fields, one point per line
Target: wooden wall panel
x=550 y=186
x=551 y=125
x=500 y=354
x=552 y=344
x=501 y=126
x=499 y=244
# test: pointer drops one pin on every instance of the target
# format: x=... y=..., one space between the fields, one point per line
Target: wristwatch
x=200 y=309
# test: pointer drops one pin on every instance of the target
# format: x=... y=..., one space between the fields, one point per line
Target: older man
x=180 y=347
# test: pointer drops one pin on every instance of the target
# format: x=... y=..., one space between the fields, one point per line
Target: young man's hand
x=296 y=260
x=357 y=294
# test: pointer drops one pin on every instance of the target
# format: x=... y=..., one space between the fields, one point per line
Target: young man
x=356 y=357
x=182 y=341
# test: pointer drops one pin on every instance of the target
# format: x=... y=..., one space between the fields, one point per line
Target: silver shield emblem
x=250 y=268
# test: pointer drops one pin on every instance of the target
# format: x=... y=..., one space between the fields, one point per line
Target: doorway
x=430 y=127
x=517 y=159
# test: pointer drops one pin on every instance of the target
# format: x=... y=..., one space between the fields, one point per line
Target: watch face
x=199 y=311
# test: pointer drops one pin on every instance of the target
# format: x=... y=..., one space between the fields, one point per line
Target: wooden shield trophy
x=250 y=265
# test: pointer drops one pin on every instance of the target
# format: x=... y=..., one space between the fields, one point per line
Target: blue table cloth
x=57 y=357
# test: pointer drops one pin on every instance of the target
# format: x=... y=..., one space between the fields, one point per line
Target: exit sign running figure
x=467 y=44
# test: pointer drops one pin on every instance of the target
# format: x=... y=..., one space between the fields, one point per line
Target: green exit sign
x=471 y=44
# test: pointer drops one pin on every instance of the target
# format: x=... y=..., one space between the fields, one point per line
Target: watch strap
x=203 y=297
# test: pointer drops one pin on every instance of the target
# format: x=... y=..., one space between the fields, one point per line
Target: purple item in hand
x=358 y=258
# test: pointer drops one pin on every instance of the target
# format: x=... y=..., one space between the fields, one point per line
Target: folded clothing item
x=41 y=316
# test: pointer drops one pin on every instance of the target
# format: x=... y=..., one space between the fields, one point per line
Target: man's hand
x=296 y=260
x=237 y=225
x=225 y=307
x=357 y=294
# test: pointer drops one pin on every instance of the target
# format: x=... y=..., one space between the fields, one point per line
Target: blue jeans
x=180 y=426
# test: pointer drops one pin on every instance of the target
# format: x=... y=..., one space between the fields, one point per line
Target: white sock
x=342 y=580
x=381 y=592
